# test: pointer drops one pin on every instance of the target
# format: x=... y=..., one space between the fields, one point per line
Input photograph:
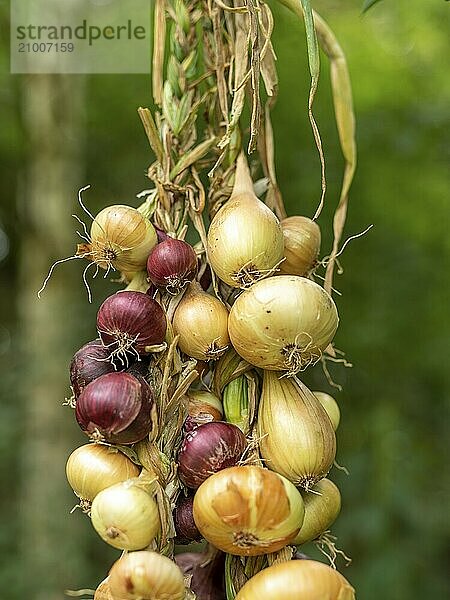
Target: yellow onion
x=121 y=238
x=297 y=580
x=283 y=323
x=297 y=438
x=93 y=467
x=322 y=506
x=201 y=321
x=245 y=240
x=301 y=245
x=331 y=406
x=146 y=576
x=125 y=516
x=248 y=510
x=103 y=592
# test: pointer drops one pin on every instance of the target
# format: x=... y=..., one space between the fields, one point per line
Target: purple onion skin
x=91 y=361
x=208 y=449
x=160 y=234
x=127 y=316
x=205 y=278
x=208 y=581
x=171 y=265
x=115 y=408
x=185 y=526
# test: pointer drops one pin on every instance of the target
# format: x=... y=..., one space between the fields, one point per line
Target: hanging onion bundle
x=248 y=511
x=121 y=238
x=245 y=240
x=322 y=507
x=301 y=245
x=297 y=438
x=283 y=323
x=297 y=580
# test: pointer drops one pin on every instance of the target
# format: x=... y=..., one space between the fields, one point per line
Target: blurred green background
x=60 y=133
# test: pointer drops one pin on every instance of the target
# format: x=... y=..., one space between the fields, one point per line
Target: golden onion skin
x=297 y=580
x=297 y=439
x=331 y=406
x=121 y=237
x=201 y=322
x=93 y=467
x=283 y=323
x=322 y=507
x=146 y=575
x=125 y=516
x=245 y=239
x=248 y=511
x=301 y=245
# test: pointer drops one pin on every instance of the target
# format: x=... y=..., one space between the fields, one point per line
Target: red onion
x=116 y=408
x=171 y=265
x=208 y=581
x=128 y=322
x=88 y=363
x=161 y=234
x=183 y=517
x=208 y=449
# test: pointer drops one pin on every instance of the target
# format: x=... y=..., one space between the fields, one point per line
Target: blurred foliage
x=394 y=304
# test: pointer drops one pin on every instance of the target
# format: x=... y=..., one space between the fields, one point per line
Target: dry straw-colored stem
x=345 y=121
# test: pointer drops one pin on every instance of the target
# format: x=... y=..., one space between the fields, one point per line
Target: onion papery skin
x=172 y=264
x=248 y=511
x=125 y=516
x=183 y=518
x=283 y=323
x=297 y=580
x=121 y=238
x=129 y=322
x=201 y=321
x=245 y=240
x=322 y=507
x=146 y=575
x=93 y=467
x=331 y=406
x=301 y=245
x=103 y=592
x=203 y=407
x=208 y=449
x=88 y=363
x=297 y=438
x=115 y=408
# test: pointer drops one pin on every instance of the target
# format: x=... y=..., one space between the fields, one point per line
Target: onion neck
x=243 y=183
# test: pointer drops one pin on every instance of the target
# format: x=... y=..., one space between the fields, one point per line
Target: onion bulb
x=125 y=516
x=297 y=438
x=93 y=467
x=248 y=511
x=297 y=580
x=146 y=576
x=322 y=506
x=201 y=321
x=121 y=238
x=283 y=323
x=207 y=449
x=331 y=406
x=245 y=240
x=203 y=407
x=103 y=592
x=171 y=265
x=301 y=245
